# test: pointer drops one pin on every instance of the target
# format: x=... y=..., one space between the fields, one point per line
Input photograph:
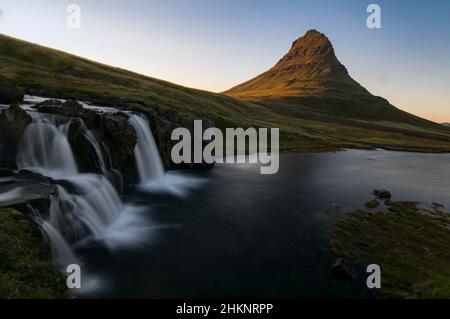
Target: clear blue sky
x=213 y=45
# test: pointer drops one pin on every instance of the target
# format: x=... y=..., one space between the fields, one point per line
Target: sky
x=216 y=44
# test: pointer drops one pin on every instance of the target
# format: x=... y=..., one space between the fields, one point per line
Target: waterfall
x=148 y=161
x=89 y=136
x=152 y=177
x=86 y=205
x=61 y=250
x=103 y=158
x=46 y=149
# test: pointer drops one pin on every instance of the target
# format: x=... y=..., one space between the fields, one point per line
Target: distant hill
x=319 y=126
x=311 y=78
x=446 y=124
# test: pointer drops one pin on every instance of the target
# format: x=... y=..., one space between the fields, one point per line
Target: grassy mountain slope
x=52 y=73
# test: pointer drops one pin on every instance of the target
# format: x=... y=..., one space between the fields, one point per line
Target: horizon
x=199 y=51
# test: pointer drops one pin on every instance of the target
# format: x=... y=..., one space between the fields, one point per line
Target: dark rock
x=6 y=172
x=382 y=193
x=13 y=122
x=342 y=268
x=9 y=92
x=70 y=108
x=31 y=189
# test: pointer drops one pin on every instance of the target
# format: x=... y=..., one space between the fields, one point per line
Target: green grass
x=25 y=272
x=57 y=74
x=410 y=246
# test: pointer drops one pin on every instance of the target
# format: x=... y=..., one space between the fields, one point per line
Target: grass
x=410 y=246
x=54 y=73
x=25 y=272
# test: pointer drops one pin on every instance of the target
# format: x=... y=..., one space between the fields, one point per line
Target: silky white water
x=46 y=149
x=148 y=162
x=87 y=205
x=152 y=177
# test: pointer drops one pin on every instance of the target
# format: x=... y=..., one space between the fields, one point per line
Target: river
x=237 y=233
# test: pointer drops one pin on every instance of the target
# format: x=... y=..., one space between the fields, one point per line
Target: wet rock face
x=112 y=128
x=9 y=93
x=13 y=122
x=24 y=189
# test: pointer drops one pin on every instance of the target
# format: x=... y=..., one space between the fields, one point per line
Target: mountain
x=310 y=68
x=319 y=126
x=446 y=124
x=311 y=78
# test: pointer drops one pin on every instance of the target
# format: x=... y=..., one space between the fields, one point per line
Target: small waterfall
x=61 y=250
x=89 y=136
x=148 y=160
x=152 y=176
x=86 y=205
x=103 y=158
x=46 y=149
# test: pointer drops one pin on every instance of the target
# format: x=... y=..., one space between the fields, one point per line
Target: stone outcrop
x=13 y=122
x=9 y=93
x=25 y=189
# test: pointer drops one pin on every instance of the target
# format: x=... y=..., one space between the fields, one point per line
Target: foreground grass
x=24 y=271
x=411 y=246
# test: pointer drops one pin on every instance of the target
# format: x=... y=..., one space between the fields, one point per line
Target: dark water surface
x=242 y=234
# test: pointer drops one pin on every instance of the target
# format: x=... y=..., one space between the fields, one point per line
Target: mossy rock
x=25 y=271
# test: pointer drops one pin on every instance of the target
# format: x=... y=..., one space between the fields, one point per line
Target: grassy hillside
x=53 y=73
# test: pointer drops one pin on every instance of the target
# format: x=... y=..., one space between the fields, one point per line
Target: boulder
x=13 y=122
x=9 y=92
x=382 y=193
x=24 y=189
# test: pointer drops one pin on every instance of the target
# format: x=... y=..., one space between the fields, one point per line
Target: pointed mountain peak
x=309 y=68
x=313 y=45
x=311 y=38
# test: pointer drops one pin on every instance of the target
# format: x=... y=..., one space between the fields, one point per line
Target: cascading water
x=152 y=176
x=149 y=164
x=87 y=206
x=46 y=149
x=103 y=158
